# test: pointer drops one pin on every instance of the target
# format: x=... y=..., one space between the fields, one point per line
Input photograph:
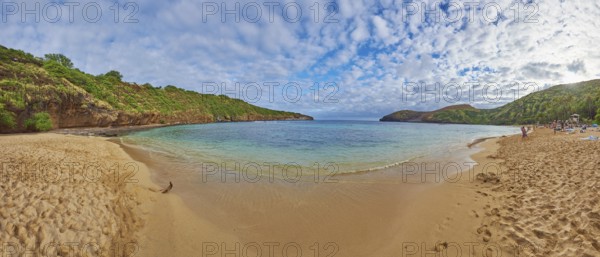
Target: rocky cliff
x=68 y=98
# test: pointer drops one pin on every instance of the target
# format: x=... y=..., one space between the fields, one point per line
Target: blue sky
x=352 y=59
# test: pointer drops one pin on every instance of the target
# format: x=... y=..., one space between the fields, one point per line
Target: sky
x=345 y=59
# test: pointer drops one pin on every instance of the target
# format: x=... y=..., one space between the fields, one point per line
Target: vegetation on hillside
x=544 y=106
x=404 y=115
x=30 y=85
x=39 y=122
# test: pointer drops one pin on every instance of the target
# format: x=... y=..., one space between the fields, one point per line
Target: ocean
x=305 y=148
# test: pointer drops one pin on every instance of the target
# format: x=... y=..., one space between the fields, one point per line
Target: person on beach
x=524 y=132
x=562 y=125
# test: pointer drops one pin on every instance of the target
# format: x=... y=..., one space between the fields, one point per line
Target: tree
x=586 y=107
x=60 y=59
x=114 y=74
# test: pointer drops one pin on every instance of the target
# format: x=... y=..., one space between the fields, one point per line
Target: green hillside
x=43 y=93
x=448 y=114
x=555 y=103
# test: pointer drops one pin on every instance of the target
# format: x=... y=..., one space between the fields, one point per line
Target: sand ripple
x=59 y=195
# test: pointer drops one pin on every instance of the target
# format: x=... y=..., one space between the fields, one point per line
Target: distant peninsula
x=554 y=103
x=40 y=94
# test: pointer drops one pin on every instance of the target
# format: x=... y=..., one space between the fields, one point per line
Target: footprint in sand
x=596 y=245
x=495 y=212
x=485 y=233
x=594 y=216
x=482 y=193
x=509 y=219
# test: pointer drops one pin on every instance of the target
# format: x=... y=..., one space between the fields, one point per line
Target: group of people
x=560 y=125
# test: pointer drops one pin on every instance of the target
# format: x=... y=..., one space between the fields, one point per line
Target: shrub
x=39 y=122
x=7 y=119
x=60 y=59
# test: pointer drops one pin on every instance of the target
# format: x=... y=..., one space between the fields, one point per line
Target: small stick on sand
x=166 y=190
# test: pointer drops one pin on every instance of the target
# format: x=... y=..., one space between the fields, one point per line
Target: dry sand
x=546 y=202
x=84 y=196
x=542 y=200
x=537 y=197
x=68 y=195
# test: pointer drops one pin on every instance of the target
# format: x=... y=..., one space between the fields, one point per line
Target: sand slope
x=546 y=201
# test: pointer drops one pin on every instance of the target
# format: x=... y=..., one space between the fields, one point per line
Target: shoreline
x=172 y=228
x=234 y=210
x=422 y=157
x=362 y=181
x=166 y=224
x=108 y=131
x=480 y=140
x=446 y=218
x=124 y=130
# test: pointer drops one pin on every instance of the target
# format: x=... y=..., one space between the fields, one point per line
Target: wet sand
x=338 y=215
x=363 y=214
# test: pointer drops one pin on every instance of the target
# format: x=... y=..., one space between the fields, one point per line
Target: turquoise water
x=340 y=146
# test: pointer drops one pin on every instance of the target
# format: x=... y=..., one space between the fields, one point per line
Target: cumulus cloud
x=381 y=28
x=577 y=66
x=369 y=49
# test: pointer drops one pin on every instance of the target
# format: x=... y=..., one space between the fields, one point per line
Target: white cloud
x=361 y=32
x=381 y=28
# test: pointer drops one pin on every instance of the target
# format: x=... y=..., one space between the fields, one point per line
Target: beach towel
x=590 y=138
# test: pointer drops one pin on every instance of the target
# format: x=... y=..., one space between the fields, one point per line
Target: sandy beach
x=91 y=196
x=546 y=200
x=300 y=129
x=68 y=195
x=84 y=196
x=536 y=197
